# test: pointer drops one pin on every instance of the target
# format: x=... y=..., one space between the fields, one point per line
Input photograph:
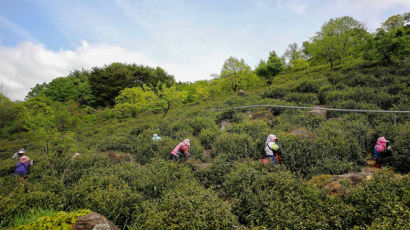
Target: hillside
x=123 y=174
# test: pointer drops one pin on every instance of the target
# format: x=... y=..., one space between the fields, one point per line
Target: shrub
x=308 y=86
x=385 y=197
x=208 y=136
x=302 y=98
x=332 y=151
x=275 y=199
x=199 y=123
x=188 y=206
x=257 y=130
x=214 y=175
x=401 y=149
x=236 y=146
x=61 y=220
x=105 y=194
x=276 y=92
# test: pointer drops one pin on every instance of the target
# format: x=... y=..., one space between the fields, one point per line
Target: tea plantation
x=123 y=174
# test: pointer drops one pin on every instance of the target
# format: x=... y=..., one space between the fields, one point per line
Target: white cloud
x=28 y=64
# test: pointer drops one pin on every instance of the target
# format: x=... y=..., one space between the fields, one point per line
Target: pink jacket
x=184 y=145
x=381 y=144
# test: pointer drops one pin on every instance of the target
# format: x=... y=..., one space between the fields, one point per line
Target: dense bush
x=274 y=199
x=401 y=149
x=60 y=220
x=331 y=151
x=105 y=194
x=208 y=136
x=236 y=146
x=276 y=92
x=302 y=98
x=188 y=206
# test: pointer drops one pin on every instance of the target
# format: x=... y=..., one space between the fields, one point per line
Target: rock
x=318 y=111
x=225 y=124
x=94 y=221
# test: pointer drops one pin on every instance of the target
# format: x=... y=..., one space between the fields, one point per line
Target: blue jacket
x=22 y=168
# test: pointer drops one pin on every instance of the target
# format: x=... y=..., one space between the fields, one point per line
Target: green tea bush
x=208 y=136
x=308 y=86
x=385 y=197
x=401 y=149
x=200 y=123
x=61 y=220
x=302 y=98
x=257 y=130
x=187 y=206
x=105 y=194
x=25 y=195
x=214 y=175
x=236 y=146
x=332 y=151
x=274 y=199
x=276 y=92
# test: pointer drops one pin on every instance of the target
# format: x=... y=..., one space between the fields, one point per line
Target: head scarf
x=271 y=138
x=382 y=142
x=186 y=142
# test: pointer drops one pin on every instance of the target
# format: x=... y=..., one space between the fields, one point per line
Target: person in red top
x=180 y=151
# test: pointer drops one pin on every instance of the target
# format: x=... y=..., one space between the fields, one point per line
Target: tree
x=133 y=101
x=62 y=89
x=107 y=82
x=336 y=39
x=268 y=70
x=171 y=97
x=389 y=47
x=234 y=72
x=292 y=53
x=396 y=21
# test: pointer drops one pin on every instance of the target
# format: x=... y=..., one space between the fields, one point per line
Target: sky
x=44 y=39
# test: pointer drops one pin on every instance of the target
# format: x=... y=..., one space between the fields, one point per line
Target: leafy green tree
x=389 y=47
x=107 y=82
x=62 y=89
x=396 y=21
x=268 y=70
x=292 y=53
x=234 y=72
x=336 y=40
x=45 y=125
x=133 y=101
x=8 y=115
x=171 y=97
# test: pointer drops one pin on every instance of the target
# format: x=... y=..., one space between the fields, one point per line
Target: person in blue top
x=22 y=167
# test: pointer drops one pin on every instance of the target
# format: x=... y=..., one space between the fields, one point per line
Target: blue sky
x=44 y=39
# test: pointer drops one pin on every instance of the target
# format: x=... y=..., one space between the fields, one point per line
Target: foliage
x=133 y=101
x=336 y=39
x=269 y=69
x=389 y=47
x=73 y=87
x=236 y=74
x=302 y=98
x=107 y=82
x=61 y=220
x=188 y=206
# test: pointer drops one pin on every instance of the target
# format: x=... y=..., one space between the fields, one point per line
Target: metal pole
x=394 y=119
